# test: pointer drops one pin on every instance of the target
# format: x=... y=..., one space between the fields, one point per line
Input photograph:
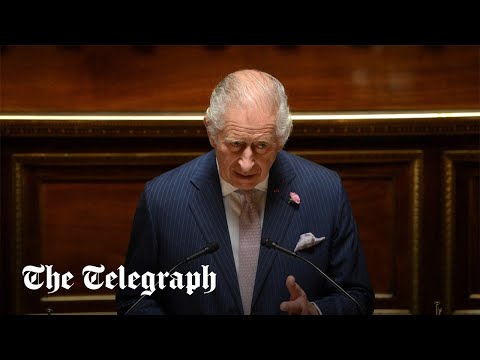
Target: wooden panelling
x=74 y=210
x=50 y=127
x=173 y=78
x=69 y=190
x=461 y=179
x=384 y=188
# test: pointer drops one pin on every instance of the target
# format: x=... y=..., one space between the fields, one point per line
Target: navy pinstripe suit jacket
x=182 y=210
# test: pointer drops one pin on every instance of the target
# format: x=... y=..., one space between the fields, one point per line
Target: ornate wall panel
x=461 y=235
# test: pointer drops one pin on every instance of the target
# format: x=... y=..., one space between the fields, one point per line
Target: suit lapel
x=277 y=218
x=209 y=212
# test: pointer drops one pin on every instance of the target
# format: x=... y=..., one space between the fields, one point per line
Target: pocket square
x=307 y=240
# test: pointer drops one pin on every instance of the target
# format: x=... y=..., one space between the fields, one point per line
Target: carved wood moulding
x=191 y=125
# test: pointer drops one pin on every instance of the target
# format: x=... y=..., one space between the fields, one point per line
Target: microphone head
x=211 y=247
x=267 y=243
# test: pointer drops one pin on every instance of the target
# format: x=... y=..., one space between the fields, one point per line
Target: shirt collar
x=228 y=188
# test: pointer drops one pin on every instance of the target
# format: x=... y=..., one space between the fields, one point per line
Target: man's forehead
x=248 y=132
x=251 y=112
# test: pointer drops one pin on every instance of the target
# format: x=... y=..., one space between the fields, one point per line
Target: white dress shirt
x=233 y=202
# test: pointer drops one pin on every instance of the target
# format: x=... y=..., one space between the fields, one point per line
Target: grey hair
x=247 y=88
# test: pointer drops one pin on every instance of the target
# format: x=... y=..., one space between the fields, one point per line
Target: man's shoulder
x=180 y=174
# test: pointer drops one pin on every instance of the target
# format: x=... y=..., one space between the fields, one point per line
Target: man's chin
x=246 y=184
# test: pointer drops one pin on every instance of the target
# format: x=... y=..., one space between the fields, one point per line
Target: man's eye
x=261 y=145
x=235 y=145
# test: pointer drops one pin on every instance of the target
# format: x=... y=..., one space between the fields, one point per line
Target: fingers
x=293 y=288
x=298 y=303
x=292 y=307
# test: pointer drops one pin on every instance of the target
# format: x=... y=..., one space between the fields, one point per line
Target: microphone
x=208 y=249
x=273 y=245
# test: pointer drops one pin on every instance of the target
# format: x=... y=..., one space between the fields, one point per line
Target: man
x=245 y=190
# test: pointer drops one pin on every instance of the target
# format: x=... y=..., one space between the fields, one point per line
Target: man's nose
x=246 y=160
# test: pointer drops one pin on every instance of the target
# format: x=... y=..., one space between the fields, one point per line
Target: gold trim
x=391 y=312
x=383 y=296
x=415 y=159
x=467 y=312
x=361 y=155
x=449 y=196
x=416 y=220
x=172 y=125
x=178 y=116
x=448 y=227
x=68 y=298
x=105 y=158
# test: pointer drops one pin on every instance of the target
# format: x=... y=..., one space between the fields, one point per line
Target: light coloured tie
x=250 y=233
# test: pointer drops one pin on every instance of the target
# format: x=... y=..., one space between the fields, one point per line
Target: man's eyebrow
x=231 y=138
x=267 y=138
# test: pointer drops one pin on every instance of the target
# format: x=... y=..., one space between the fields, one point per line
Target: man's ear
x=206 y=122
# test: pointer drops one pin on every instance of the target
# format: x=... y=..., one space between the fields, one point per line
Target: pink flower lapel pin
x=294 y=199
x=307 y=240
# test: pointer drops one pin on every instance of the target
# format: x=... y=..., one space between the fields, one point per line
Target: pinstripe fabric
x=181 y=210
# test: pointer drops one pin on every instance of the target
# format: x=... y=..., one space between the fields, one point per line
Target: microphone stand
x=332 y=282
x=270 y=244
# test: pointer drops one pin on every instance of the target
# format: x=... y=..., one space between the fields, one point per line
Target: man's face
x=246 y=147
